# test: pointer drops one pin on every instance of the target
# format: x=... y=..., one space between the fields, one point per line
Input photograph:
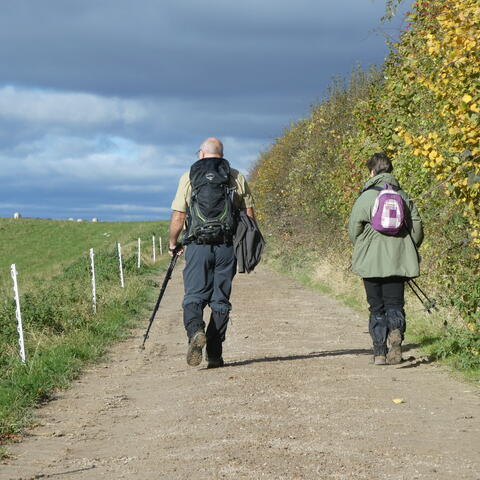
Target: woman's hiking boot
x=377 y=327
x=396 y=329
x=394 y=355
x=195 y=346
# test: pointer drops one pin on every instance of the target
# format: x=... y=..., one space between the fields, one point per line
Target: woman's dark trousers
x=386 y=298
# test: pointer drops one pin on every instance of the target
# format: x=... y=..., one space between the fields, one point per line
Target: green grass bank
x=62 y=334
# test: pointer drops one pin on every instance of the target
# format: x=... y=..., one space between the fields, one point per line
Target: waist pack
x=388 y=213
x=210 y=216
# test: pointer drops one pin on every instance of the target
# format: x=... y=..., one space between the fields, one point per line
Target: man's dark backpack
x=211 y=216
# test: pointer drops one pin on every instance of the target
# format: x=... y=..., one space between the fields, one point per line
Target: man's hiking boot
x=394 y=355
x=215 y=362
x=379 y=360
x=195 y=346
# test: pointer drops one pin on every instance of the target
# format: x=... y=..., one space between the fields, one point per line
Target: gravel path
x=298 y=399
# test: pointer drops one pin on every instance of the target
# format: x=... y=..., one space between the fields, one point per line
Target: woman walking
x=385 y=258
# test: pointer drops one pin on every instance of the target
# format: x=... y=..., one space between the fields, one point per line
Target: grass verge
x=62 y=334
x=54 y=363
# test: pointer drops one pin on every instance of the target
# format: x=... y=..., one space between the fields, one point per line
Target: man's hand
x=177 y=248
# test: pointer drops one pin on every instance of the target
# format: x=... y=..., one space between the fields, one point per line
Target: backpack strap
x=379 y=189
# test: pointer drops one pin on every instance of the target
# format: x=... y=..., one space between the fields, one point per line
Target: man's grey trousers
x=207 y=279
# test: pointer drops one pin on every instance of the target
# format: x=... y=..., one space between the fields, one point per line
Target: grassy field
x=61 y=331
x=45 y=247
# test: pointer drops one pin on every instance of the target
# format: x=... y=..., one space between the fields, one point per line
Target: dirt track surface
x=297 y=400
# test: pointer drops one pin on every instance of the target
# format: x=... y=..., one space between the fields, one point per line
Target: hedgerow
x=421 y=107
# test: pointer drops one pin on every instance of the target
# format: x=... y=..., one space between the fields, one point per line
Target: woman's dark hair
x=379 y=163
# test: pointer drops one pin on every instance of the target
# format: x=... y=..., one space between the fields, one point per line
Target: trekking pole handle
x=177 y=250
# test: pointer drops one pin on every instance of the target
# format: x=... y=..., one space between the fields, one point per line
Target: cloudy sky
x=103 y=103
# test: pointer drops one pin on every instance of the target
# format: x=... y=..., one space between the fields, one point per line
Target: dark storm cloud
x=104 y=102
x=184 y=48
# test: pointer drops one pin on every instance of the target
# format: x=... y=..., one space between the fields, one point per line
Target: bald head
x=211 y=147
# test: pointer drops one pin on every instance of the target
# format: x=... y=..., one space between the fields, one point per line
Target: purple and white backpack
x=388 y=214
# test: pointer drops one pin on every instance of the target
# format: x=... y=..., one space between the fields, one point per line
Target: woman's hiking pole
x=426 y=302
x=168 y=276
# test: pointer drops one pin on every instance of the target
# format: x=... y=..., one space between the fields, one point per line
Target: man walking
x=205 y=206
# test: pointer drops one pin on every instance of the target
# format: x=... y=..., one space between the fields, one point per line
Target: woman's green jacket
x=376 y=255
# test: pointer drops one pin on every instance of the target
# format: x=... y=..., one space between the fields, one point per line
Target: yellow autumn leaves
x=447 y=34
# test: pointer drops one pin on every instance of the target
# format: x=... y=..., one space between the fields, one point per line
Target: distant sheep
x=17 y=215
x=79 y=220
x=94 y=219
x=70 y=219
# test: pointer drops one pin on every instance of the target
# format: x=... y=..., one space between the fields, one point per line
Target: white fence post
x=138 y=254
x=94 y=286
x=161 y=247
x=18 y=313
x=153 y=249
x=122 y=283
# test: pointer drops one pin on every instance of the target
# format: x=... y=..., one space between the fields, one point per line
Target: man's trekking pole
x=168 y=276
x=427 y=303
